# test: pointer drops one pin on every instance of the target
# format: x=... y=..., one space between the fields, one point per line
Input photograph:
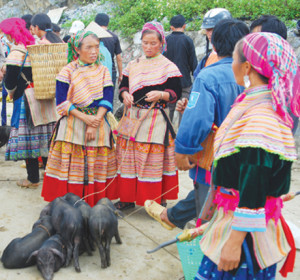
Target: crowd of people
x=245 y=91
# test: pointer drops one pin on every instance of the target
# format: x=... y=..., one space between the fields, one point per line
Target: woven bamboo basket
x=46 y=62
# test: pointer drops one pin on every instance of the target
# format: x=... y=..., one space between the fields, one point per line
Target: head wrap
x=273 y=57
x=156 y=26
x=74 y=42
x=16 y=28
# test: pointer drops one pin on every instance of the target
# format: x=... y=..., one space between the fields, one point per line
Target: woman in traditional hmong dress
x=41 y=26
x=247 y=236
x=146 y=166
x=27 y=141
x=82 y=156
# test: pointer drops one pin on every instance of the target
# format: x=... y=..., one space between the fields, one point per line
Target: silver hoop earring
x=247 y=82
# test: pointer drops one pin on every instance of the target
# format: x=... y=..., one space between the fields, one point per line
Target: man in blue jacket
x=214 y=91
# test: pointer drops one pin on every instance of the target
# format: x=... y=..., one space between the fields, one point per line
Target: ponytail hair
x=44 y=23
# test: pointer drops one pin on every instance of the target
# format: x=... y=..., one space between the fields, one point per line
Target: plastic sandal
x=154 y=210
x=27 y=184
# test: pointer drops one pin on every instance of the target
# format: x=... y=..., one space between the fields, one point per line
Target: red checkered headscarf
x=273 y=57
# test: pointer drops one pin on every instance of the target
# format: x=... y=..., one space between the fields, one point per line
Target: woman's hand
x=181 y=105
x=127 y=99
x=155 y=95
x=90 y=133
x=92 y=121
x=231 y=251
x=182 y=162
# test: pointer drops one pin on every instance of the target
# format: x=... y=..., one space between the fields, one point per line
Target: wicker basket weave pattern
x=46 y=61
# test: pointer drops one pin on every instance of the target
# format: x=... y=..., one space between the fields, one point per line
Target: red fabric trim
x=133 y=190
x=123 y=89
x=158 y=84
x=173 y=95
x=53 y=188
x=289 y=263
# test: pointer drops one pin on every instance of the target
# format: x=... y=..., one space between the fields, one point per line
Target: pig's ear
x=59 y=254
x=33 y=255
x=119 y=214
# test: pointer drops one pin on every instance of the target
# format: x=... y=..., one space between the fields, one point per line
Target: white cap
x=77 y=25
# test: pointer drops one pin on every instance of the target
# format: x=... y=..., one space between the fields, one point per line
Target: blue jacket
x=214 y=91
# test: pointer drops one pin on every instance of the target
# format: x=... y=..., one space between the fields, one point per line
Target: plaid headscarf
x=74 y=41
x=273 y=57
x=158 y=27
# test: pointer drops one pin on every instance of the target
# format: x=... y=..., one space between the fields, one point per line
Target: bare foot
x=164 y=217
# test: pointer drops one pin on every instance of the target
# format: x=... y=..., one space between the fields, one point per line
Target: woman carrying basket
x=41 y=26
x=254 y=151
x=27 y=142
x=82 y=157
x=146 y=164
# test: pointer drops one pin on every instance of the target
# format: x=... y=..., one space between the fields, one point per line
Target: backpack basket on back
x=46 y=61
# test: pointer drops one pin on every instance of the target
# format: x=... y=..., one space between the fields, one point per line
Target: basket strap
x=20 y=74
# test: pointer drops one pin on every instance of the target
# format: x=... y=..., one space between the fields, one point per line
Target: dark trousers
x=32 y=167
x=184 y=94
x=189 y=208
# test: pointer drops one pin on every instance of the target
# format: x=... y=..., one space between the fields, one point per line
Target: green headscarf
x=74 y=42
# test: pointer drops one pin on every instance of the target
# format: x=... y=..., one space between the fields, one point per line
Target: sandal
x=154 y=210
x=124 y=205
x=27 y=184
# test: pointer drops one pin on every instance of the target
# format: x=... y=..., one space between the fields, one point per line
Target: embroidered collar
x=254 y=90
x=85 y=64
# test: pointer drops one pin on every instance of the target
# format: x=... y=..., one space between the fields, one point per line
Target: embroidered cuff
x=106 y=104
x=121 y=91
x=63 y=108
x=249 y=220
x=71 y=108
x=172 y=95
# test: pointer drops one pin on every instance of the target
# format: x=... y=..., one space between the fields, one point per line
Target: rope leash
x=123 y=158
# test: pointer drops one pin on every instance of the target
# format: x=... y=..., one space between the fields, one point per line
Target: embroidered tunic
x=71 y=158
x=146 y=167
x=254 y=161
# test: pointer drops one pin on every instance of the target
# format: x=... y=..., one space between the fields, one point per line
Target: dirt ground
x=20 y=208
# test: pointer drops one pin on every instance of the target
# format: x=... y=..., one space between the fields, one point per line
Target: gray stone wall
x=132 y=47
x=17 y=8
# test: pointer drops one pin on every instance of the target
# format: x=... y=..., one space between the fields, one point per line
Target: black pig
x=85 y=210
x=50 y=257
x=4 y=134
x=16 y=253
x=103 y=224
x=68 y=222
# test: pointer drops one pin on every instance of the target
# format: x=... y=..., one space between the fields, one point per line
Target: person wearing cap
x=211 y=18
x=113 y=45
x=181 y=51
x=77 y=25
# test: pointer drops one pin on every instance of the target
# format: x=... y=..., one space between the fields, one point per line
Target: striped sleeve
x=249 y=220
